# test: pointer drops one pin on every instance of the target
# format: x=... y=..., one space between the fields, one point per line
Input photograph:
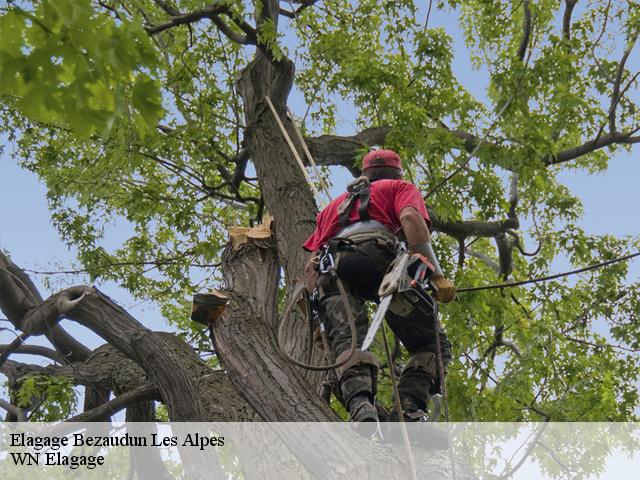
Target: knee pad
x=424 y=361
x=358 y=375
x=358 y=358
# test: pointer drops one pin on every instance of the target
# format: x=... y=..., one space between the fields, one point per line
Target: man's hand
x=445 y=290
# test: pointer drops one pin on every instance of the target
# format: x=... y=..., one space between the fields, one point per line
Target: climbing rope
x=350 y=319
x=295 y=153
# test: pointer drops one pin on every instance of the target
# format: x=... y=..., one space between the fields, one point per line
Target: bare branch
x=600 y=345
x=513 y=195
x=510 y=345
x=505 y=254
x=616 y=95
x=591 y=146
x=524 y=43
x=230 y=34
x=104 y=411
x=170 y=9
x=78 y=374
x=464 y=229
x=508 y=473
x=490 y=262
x=185 y=18
x=295 y=13
x=13 y=410
x=212 y=12
x=37 y=350
x=566 y=19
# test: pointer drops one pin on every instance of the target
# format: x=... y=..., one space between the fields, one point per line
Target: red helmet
x=381 y=158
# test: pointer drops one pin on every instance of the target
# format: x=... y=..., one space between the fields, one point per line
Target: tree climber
x=362 y=228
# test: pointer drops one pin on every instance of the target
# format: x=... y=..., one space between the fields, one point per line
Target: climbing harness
x=327 y=265
x=359 y=189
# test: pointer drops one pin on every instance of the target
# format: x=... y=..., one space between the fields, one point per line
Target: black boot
x=413 y=410
x=362 y=410
x=364 y=415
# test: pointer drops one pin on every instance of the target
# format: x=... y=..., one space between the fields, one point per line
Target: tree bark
x=246 y=340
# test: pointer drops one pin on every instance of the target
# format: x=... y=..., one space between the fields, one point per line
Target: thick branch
x=11 y=409
x=80 y=374
x=338 y=150
x=591 y=146
x=18 y=296
x=194 y=16
x=463 y=229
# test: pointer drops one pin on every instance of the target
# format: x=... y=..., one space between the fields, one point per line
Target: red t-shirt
x=388 y=198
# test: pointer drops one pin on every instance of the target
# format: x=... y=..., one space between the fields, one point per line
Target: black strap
x=345 y=209
x=359 y=189
x=363 y=209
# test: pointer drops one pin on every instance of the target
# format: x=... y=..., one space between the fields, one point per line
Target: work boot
x=364 y=415
x=415 y=411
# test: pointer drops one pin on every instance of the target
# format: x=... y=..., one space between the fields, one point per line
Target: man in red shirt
x=361 y=228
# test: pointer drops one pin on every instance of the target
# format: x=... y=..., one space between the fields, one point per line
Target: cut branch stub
x=246 y=341
x=208 y=307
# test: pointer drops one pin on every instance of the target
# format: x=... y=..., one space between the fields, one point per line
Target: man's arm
x=419 y=241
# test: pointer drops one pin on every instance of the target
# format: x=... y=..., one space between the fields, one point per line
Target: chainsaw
x=404 y=288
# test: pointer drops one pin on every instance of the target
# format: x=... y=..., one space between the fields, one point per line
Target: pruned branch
x=20 y=296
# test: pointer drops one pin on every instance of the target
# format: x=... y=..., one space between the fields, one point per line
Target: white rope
x=325 y=187
x=293 y=149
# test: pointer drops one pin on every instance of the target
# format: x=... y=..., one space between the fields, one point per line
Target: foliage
x=92 y=133
x=53 y=397
x=64 y=64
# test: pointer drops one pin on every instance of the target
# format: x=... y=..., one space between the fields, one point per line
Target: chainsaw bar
x=377 y=321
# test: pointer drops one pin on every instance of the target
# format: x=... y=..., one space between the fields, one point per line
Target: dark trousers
x=361 y=268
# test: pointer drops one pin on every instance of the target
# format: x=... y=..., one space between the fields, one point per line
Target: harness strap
x=358 y=189
x=363 y=209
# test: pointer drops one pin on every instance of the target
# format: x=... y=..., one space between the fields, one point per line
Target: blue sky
x=610 y=203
